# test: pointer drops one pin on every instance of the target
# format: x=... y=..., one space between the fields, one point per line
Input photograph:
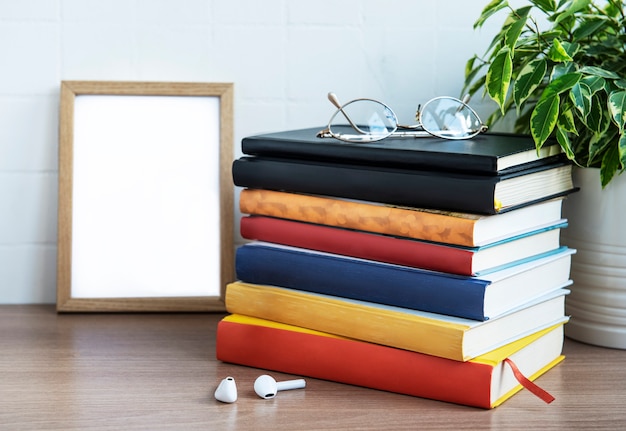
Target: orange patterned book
x=486 y=381
x=463 y=229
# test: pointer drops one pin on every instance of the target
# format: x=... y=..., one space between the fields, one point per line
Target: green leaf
x=545 y=5
x=595 y=83
x=598 y=71
x=496 y=43
x=469 y=66
x=595 y=149
x=558 y=53
x=471 y=72
x=575 y=6
x=594 y=118
x=566 y=121
x=621 y=145
x=610 y=165
x=491 y=8
x=473 y=88
x=528 y=80
x=605 y=115
x=562 y=83
x=617 y=108
x=518 y=18
x=588 y=28
x=564 y=142
x=499 y=77
x=561 y=69
x=571 y=48
x=598 y=144
x=620 y=83
x=609 y=86
x=544 y=118
x=580 y=94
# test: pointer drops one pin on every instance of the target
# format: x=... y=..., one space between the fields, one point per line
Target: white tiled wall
x=283 y=57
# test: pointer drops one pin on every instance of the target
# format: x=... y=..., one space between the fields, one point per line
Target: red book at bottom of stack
x=485 y=381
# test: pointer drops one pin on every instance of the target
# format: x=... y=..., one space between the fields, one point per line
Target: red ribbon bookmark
x=532 y=387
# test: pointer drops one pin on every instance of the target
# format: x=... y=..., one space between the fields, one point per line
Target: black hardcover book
x=489 y=153
x=444 y=190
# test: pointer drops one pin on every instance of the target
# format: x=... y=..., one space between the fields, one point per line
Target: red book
x=403 y=251
x=485 y=381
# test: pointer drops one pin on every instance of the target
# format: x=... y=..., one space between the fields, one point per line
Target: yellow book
x=433 y=334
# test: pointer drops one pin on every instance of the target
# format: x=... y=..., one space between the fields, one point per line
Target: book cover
x=418 y=331
x=400 y=250
x=478 y=298
x=483 y=194
x=489 y=153
x=485 y=381
x=464 y=229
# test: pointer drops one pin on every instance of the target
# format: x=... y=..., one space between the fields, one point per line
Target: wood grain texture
x=158 y=372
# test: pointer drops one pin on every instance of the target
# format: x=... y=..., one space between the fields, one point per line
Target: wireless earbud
x=266 y=387
x=226 y=391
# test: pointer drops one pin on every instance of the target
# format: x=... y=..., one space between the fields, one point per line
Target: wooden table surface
x=159 y=372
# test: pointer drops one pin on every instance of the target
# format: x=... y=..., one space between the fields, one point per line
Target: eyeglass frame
x=413 y=131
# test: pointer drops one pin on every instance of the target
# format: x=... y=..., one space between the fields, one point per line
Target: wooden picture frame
x=145 y=217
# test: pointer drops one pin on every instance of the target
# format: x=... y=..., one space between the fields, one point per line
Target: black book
x=489 y=153
x=443 y=190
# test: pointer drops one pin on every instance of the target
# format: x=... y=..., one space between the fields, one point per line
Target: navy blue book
x=478 y=298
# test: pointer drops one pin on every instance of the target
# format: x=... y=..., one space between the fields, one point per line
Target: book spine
x=360 y=216
x=453 y=192
x=334 y=359
x=365 y=245
x=362 y=280
x=375 y=325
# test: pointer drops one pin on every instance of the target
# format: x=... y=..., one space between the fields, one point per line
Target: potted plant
x=559 y=66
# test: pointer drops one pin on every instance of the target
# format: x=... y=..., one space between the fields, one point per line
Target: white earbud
x=266 y=387
x=226 y=391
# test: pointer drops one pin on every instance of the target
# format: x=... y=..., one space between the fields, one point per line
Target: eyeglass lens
x=449 y=118
x=363 y=120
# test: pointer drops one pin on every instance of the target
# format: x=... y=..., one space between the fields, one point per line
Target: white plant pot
x=597 y=304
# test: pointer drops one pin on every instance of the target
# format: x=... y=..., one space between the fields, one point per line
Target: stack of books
x=424 y=267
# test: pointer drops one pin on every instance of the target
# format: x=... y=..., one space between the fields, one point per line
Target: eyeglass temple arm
x=335 y=101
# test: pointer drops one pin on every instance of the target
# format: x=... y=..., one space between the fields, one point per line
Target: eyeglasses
x=443 y=117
